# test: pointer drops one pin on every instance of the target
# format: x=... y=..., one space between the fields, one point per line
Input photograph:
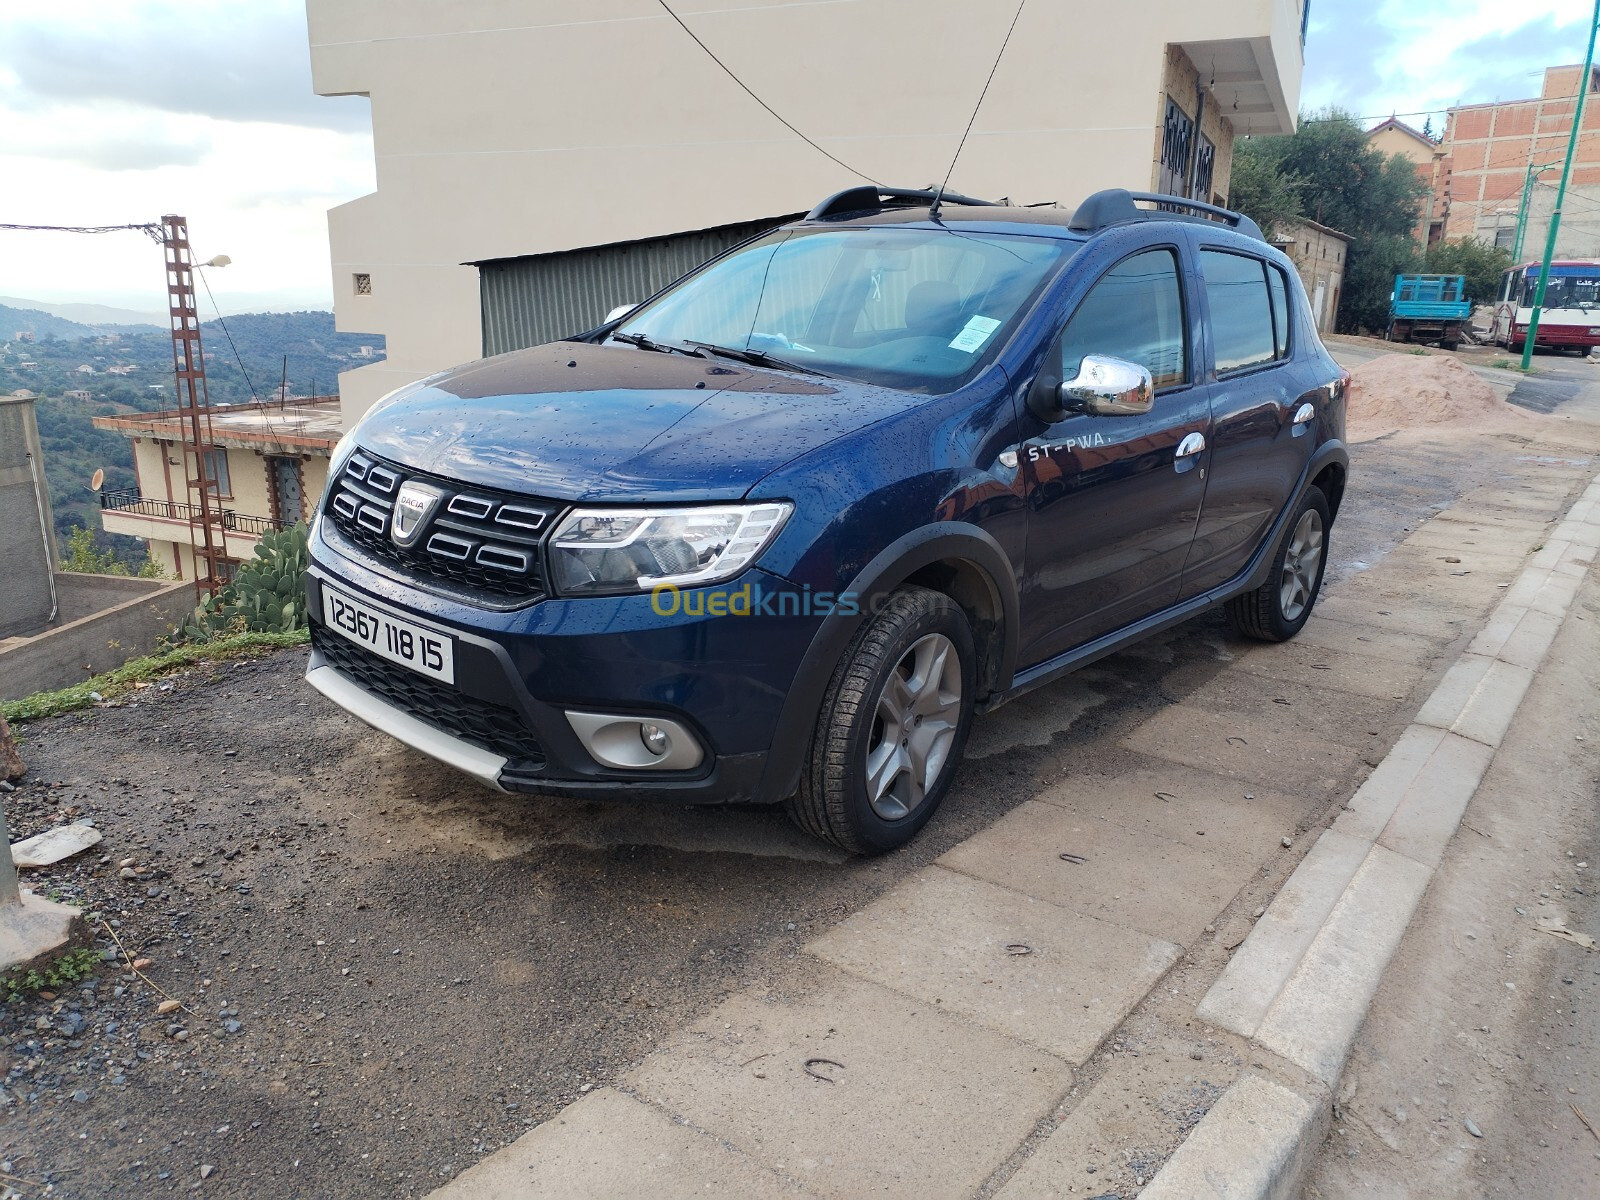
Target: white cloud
x=1423 y=56
x=113 y=117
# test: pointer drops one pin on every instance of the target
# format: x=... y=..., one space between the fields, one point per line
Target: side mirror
x=1103 y=387
x=617 y=313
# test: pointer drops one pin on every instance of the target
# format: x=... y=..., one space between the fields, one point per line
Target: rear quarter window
x=1244 y=333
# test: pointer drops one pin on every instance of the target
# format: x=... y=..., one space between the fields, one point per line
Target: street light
x=1522 y=212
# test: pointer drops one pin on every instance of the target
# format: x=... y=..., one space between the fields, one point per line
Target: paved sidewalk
x=1025 y=1018
x=1488 y=1012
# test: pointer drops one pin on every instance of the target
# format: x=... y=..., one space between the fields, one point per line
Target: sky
x=117 y=111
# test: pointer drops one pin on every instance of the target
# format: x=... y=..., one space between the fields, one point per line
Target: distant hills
x=14 y=308
x=128 y=369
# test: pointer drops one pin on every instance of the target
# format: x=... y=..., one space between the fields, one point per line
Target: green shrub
x=266 y=595
x=71 y=967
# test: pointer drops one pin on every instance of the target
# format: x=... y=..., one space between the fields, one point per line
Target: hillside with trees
x=127 y=369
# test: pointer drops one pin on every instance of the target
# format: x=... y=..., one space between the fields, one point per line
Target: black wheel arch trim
x=889 y=569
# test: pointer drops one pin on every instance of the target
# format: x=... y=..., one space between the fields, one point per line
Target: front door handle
x=1191 y=445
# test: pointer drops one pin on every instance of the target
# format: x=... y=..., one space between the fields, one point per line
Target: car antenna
x=933 y=209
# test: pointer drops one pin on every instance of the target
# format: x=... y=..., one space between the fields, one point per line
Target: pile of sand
x=1404 y=391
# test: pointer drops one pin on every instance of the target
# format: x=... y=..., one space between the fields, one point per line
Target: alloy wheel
x=913 y=726
x=1301 y=563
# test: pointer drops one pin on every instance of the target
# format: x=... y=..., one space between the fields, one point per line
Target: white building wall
x=513 y=127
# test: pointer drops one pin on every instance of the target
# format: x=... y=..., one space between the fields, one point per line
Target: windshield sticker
x=975 y=334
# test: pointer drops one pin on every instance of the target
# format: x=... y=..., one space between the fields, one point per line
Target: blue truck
x=1429 y=308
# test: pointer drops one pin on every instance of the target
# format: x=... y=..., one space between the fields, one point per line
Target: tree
x=1483 y=265
x=1339 y=180
x=1259 y=187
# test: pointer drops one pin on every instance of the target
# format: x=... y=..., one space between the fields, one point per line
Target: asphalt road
x=388 y=972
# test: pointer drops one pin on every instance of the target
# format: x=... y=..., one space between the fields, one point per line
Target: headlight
x=614 y=550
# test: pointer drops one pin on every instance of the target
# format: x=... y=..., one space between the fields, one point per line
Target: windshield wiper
x=645 y=343
x=757 y=358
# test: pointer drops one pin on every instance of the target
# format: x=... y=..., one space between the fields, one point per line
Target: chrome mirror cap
x=1108 y=387
x=617 y=313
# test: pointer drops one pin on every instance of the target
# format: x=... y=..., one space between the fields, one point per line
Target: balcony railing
x=129 y=501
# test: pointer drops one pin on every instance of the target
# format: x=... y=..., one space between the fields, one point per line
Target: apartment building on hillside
x=270 y=462
x=1491 y=148
x=539 y=163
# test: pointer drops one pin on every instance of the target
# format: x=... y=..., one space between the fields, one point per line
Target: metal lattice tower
x=207 y=520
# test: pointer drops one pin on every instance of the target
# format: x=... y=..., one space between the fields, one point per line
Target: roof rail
x=1116 y=205
x=876 y=199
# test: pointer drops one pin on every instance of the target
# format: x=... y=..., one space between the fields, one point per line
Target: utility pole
x=208 y=536
x=207 y=519
x=1522 y=212
x=1561 y=193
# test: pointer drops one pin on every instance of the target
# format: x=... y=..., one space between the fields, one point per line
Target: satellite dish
x=97 y=480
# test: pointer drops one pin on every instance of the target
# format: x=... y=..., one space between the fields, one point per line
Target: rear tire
x=1279 y=608
x=893 y=723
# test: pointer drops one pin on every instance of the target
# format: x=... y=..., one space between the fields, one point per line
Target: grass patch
x=129 y=675
x=70 y=968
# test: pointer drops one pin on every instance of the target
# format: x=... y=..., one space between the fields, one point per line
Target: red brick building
x=1490 y=148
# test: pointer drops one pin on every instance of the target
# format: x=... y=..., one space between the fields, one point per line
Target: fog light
x=637 y=743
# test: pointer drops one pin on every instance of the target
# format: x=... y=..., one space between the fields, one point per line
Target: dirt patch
x=1404 y=391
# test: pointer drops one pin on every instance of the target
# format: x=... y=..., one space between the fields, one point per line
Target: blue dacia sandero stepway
x=777 y=533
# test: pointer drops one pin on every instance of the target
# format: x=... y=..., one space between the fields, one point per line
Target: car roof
x=926 y=208
x=1049 y=220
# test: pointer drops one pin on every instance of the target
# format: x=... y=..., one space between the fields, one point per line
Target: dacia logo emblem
x=412 y=508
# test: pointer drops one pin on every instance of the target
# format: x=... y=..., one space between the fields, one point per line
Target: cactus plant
x=265 y=594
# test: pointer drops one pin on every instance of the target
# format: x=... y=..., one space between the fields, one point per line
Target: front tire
x=892 y=726
x=1279 y=608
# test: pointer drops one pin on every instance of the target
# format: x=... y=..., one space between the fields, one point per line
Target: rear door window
x=1242 y=330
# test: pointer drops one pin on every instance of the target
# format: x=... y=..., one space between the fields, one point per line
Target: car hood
x=574 y=421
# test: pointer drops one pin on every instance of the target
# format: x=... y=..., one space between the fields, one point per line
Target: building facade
x=270 y=462
x=1433 y=166
x=1318 y=254
x=519 y=131
x=1491 y=149
x=28 y=600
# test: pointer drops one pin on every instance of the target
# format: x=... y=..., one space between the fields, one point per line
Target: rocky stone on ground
x=12 y=767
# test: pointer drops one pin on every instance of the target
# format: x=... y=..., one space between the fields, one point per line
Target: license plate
x=426 y=651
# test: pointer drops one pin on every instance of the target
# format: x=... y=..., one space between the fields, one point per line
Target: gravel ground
x=387 y=972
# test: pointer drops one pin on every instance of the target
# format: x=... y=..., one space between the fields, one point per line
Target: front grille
x=477 y=544
x=491 y=726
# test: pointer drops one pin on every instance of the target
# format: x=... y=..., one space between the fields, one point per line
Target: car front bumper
x=519 y=674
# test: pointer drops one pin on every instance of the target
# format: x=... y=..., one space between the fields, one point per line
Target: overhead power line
x=154 y=229
x=995 y=66
x=207 y=284
x=727 y=70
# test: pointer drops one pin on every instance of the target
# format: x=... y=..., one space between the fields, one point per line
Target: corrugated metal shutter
x=546 y=297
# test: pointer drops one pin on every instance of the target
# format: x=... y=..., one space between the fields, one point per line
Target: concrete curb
x=1301 y=985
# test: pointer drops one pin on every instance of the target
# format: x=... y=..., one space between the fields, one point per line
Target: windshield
x=910 y=308
x=1565 y=291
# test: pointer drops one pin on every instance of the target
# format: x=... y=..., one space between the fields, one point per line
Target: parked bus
x=1571 y=313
